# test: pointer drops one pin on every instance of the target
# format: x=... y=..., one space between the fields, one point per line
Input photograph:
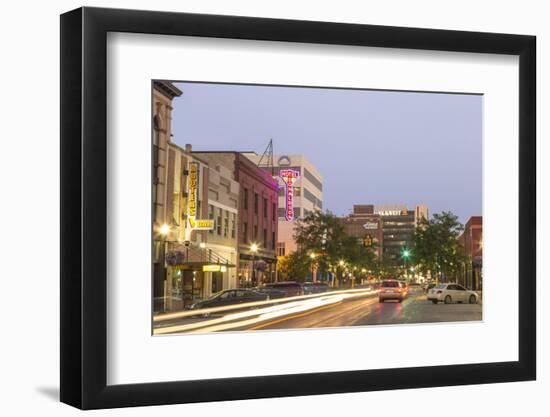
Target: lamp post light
x=405 y=254
x=164 y=231
x=313 y=255
x=340 y=272
x=254 y=249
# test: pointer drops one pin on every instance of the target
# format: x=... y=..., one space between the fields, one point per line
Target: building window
x=219 y=222
x=255 y=235
x=213 y=195
x=311 y=178
x=311 y=197
x=245 y=232
x=280 y=248
x=273 y=240
x=281 y=212
x=255 y=203
x=245 y=199
x=226 y=224
x=211 y=216
x=265 y=238
x=233 y=221
x=273 y=212
x=265 y=207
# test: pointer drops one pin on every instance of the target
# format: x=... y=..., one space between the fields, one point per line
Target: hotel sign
x=392 y=212
x=289 y=177
x=193 y=195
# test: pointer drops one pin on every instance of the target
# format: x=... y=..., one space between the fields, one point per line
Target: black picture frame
x=84 y=207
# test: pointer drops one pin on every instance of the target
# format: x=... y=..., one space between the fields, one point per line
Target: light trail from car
x=258 y=315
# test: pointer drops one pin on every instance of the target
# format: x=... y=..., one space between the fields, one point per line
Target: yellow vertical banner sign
x=195 y=223
x=193 y=190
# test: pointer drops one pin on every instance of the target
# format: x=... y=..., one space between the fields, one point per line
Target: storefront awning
x=195 y=258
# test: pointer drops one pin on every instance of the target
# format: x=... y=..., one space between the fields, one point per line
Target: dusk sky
x=377 y=147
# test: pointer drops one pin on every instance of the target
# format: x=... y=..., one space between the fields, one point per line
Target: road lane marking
x=276 y=301
x=307 y=313
x=246 y=318
x=363 y=304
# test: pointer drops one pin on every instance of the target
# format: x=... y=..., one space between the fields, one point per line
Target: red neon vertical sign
x=289 y=176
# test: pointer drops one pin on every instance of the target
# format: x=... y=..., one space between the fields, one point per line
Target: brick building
x=472 y=242
x=257 y=219
x=366 y=226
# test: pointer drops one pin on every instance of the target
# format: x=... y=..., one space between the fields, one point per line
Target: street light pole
x=254 y=249
x=164 y=231
x=406 y=254
x=341 y=264
x=312 y=256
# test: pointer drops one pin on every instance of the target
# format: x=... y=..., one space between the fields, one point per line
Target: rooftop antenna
x=266 y=161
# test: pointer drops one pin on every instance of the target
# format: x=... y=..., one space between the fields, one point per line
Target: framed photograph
x=260 y=208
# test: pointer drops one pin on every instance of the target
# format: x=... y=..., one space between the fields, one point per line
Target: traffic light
x=367 y=241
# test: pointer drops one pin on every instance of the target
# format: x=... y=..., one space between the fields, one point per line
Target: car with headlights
x=452 y=293
x=391 y=290
x=229 y=297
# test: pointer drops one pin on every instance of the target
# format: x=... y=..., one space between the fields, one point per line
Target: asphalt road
x=368 y=311
x=336 y=309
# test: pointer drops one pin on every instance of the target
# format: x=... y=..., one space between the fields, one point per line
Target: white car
x=452 y=293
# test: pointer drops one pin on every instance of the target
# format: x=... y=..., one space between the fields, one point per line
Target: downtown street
x=358 y=307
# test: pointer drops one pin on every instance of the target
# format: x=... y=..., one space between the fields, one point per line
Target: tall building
x=163 y=94
x=390 y=226
x=223 y=209
x=184 y=245
x=366 y=226
x=300 y=192
x=193 y=254
x=471 y=240
x=398 y=225
x=257 y=216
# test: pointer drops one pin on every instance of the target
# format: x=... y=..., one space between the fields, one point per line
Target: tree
x=435 y=245
x=323 y=234
x=294 y=266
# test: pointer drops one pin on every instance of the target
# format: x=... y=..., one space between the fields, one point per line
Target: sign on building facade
x=289 y=177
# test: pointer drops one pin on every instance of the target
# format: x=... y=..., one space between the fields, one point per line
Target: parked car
x=290 y=288
x=452 y=293
x=230 y=297
x=273 y=293
x=428 y=287
x=315 y=287
x=391 y=290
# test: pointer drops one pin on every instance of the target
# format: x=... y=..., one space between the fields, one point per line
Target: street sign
x=370 y=226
